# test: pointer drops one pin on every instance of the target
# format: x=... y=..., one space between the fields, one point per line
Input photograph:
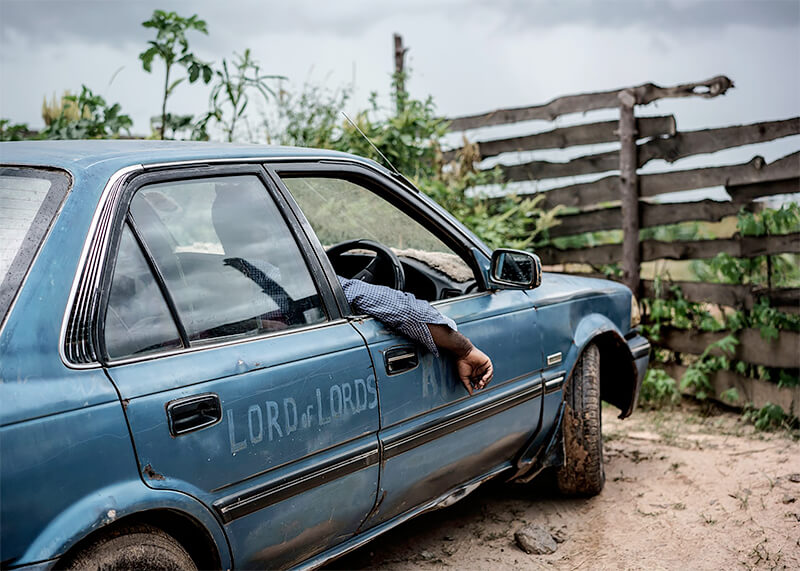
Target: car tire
x=135 y=547
x=582 y=473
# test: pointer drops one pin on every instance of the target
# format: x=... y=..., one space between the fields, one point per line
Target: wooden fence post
x=629 y=190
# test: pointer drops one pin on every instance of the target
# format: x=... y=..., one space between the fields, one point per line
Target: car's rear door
x=242 y=384
x=434 y=436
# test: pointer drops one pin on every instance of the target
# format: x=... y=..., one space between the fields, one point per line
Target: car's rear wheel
x=135 y=547
x=583 y=473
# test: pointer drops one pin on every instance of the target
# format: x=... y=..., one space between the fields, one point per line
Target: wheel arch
x=178 y=514
x=618 y=375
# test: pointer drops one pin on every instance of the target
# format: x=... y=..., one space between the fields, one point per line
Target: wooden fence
x=622 y=199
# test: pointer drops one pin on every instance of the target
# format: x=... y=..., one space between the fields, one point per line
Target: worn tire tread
x=583 y=472
x=133 y=547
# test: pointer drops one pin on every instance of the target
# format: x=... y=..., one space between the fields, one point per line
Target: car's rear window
x=29 y=200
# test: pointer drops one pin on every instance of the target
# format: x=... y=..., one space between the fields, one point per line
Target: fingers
x=467 y=382
x=486 y=376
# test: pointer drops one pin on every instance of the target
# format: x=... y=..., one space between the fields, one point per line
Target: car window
x=227 y=257
x=29 y=201
x=137 y=320
x=340 y=210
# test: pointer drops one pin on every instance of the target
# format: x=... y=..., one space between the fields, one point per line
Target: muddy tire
x=136 y=547
x=582 y=473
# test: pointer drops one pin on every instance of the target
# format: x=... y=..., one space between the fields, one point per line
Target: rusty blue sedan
x=183 y=383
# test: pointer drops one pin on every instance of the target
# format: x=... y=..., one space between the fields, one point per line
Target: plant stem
x=164 y=103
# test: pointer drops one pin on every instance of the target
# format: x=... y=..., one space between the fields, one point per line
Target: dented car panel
x=279 y=441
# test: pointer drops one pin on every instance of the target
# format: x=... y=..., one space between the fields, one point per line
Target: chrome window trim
x=114 y=182
x=229 y=342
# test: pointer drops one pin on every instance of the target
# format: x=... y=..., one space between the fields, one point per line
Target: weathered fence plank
x=669 y=149
x=752 y=348
x=750 y=391
x=741 y=247
x=644 y=94
x=650 y=215
x=685 y=144
x=746 y=192
x=731 y=295
x=755 y=170
x=563 y=137
x=734 y=176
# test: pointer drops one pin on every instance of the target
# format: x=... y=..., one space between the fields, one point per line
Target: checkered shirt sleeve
x=398 y=310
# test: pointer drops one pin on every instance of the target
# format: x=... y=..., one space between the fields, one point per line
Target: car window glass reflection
x=227 y=257
x=138 y=319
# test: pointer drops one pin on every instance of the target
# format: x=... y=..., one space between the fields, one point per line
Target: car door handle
x=400 y=359
x=193 y=413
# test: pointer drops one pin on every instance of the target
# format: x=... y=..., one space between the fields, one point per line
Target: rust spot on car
x=152 y=474
x=125 y=403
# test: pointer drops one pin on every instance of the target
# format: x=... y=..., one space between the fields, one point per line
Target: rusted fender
x=113 y=503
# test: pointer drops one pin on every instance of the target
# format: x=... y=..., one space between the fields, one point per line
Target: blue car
x=184 y=385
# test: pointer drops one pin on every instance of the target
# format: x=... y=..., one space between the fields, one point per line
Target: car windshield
x=29 y=199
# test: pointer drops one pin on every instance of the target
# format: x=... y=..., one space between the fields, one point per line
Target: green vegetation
x=84 y=116
x=172 y=47
x=230 y=93
x=769 y=417
x=658 y=390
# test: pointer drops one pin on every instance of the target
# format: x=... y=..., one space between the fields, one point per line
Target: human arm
x=418 y=320
x=474 y=367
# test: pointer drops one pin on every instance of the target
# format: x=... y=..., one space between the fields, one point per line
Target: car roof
x=108 y=156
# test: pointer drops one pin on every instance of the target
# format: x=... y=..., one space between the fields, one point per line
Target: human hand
x=474 y=369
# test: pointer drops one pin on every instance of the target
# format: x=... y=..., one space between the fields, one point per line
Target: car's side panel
x=34 y=380
x=58 y=465
x=295 y=406
x=434 y=435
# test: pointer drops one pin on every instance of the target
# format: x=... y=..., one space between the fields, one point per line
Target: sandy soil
x=683 y=491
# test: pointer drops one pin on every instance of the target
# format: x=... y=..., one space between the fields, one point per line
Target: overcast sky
x=470 y=55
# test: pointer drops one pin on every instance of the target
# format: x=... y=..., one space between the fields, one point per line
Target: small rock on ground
x=535 y=539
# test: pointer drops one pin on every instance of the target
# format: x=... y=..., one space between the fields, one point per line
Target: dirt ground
x=683 y=491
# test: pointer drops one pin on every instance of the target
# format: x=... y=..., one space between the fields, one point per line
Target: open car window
x=340 y=210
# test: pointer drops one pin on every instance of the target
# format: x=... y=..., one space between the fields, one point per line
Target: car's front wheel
x=583 y=473
x=135 y=547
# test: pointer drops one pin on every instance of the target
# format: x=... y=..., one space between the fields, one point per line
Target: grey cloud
x=115 y=22
x=667 y=15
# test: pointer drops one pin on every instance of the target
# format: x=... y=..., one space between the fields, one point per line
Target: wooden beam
x=746 y=192
x=650 y=215
x=757 y=170
x=669 y=149
x=752 y=348
x=741 y=247
x=741 y=176
x=644 y=94
x=588 y=134
x=731 y=295
x=629 y=191
x=750 y=391
x=685 y=144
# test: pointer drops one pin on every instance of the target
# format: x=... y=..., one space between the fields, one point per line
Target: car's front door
x=242 y=384
x=434 y=436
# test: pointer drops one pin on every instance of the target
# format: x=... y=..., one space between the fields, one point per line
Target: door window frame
x=194 y=172
x=396 y=195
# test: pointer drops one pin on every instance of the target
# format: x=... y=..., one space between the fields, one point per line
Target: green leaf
x=174 y=84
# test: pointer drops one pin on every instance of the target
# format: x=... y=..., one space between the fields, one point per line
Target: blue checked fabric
x=398 y=310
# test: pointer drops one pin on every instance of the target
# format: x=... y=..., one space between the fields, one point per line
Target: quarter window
x=138 y=321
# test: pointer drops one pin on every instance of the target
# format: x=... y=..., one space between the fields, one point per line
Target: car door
x=434 y=436
x=243 y=385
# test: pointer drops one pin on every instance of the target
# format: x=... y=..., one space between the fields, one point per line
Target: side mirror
x=515 y=269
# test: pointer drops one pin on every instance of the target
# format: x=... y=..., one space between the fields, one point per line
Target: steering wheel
x=383 y=257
